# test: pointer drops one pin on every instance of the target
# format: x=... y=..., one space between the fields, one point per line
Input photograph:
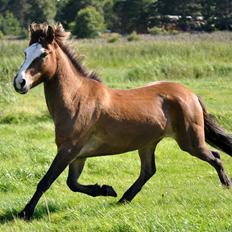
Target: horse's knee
x=217 y=164
x=72 y=185
x=216 y=154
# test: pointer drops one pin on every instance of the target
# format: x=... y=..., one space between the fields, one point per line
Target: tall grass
x=184 y=195
x=171 y=59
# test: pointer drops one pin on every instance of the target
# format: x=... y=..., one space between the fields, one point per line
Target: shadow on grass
x=41 y=212
x=8 y=216
x=114 y=204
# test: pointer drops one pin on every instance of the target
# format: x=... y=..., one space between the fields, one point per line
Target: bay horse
x=94 y=120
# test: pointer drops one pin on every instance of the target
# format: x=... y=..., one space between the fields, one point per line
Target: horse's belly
x=116 y=143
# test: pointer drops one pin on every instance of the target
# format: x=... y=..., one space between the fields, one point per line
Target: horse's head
x=40 y=58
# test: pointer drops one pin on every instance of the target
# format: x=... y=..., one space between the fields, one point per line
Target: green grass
x=184 y=195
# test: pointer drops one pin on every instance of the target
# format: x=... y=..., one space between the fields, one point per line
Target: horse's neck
x=63 y=89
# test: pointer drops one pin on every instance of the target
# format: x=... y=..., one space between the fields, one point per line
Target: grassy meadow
x=184 y=195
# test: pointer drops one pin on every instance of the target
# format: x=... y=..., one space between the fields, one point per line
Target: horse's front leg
x=75 y=169
x=61 y=161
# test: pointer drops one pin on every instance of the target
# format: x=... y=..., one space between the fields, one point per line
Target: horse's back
x=154 y=96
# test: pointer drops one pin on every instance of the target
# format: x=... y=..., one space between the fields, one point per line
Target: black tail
x=215 y=135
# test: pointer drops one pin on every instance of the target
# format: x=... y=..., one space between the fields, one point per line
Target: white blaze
x=31 y=53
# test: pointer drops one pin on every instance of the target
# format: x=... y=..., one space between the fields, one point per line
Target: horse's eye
x=43 y=55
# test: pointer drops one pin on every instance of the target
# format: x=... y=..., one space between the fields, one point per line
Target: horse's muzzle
x=23 y=86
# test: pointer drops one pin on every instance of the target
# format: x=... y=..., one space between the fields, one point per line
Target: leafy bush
x=89 y=23
x=162 y=31
x=9 y=25
x=157 y=31
x=1 y=35
x=173 y=32
x=114 y=37
x=133 y=36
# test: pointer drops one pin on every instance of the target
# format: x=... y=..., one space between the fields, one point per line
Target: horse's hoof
x=24 y=215
x=107 y=190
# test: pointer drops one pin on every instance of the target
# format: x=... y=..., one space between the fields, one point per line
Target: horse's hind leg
x=213 y=158
x=193 y=142
x=75 y=170
x=148 y=169
x=215 y=161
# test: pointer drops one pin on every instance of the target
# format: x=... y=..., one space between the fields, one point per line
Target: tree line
x=88 y=18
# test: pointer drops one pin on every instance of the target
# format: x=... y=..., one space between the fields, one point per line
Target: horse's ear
x=31 y=28
x=50 y=34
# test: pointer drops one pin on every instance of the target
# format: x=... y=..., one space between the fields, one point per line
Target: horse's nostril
x=22 y=83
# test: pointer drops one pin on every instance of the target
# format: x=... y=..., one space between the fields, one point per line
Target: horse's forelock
x=40 y=31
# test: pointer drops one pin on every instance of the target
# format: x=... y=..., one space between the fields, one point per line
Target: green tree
x=68 y=11
x=223 y=14
x=3 y=5
x=183 y=8
x=89 y=23
x=27 y=11
x=42 y=11
x=19 y=8
x=208 y=12
x=111 y=19
x=133 y=14
x=179 y=7
x=9 y=25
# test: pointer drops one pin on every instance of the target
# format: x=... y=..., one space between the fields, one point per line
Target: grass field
x=184 y=195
